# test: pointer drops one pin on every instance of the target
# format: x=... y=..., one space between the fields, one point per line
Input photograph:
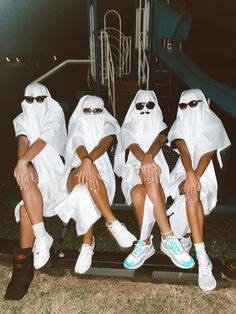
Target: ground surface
x=65 y=293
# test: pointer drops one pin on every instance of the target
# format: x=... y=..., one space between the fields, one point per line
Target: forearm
x=137 y=151
x=157 y=145
x=32 y=151
x=184 y=155
x=23 y=145
x=101 y=148
x=81 y=151
x=203 y=163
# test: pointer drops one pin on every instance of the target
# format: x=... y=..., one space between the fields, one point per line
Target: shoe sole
x=207 y=288
x=83 y=271
x=150 y=253
x=164 y=250
x=45 y=262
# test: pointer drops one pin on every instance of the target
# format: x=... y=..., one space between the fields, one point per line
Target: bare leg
x=157 y=197
x=100 y=198
x=26 y=231
x=138 y=195
x=88 y=236
x=33 y=200
x=196 y=220
x=195 y=216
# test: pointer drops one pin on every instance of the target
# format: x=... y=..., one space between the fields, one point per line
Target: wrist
x=88 y=158
x=189 y=172
x=148 y=155
x=22 y=161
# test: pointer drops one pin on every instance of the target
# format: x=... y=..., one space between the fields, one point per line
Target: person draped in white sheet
x=197 y=133
x=145 y=178
x=91 y=181
x=41 y=133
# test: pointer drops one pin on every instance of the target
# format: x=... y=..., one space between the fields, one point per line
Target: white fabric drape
x=141 y=129
x=87 y=130
x=45 y=121
x=202 y=132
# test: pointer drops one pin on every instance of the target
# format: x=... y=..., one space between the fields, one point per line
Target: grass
x=68 y=294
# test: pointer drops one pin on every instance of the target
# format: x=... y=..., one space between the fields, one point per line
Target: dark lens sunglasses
x=141 y=105
x=30 y=99
x=94 y=111
x=191 y=104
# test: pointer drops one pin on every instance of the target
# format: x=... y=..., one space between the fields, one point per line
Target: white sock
x=200 y=249
x=39 y=230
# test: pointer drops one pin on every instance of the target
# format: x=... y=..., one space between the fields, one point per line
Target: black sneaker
x=22 y=275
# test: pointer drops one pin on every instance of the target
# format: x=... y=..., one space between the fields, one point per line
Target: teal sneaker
x=139 y=255
x=172 y=248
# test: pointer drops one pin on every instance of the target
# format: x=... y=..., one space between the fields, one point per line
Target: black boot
x=22 y=275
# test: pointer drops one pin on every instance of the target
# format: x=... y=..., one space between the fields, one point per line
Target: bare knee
x=138 y=194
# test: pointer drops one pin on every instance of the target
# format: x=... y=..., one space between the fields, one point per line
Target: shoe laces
x=111 y=225
x=39 y=245
x=85 y=250
x=205 y=267
x=138 y=250
x=174 y=245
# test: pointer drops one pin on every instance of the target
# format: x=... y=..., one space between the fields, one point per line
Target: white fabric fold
x=141 y=129
x=202 y=132
x=87 y=130
x=45 y=121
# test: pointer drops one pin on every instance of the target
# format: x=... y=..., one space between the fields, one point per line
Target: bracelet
x=88 y=158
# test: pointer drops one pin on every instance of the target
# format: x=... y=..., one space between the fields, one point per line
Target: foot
x=172 y=248
x=121 y=234
x=139 y=255
x=84 y=260
x=22 y=275
x=186 y=243
x=41 y=250
x=206 y=280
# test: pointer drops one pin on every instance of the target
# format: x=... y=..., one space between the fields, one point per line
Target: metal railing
x=60 y=66
x=107 y=70
x=143 y=65
x=142 y=32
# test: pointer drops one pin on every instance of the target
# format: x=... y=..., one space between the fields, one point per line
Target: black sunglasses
x=141 y=105
x=191 y=104
x=94 y=111
x=30 y=99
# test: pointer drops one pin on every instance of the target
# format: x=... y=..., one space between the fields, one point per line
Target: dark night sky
x=59 y=26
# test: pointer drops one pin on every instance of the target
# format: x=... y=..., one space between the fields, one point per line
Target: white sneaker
x=186 y=243
x=172 y=248
x=121 y=234
x=139 y=255
x=206 y=280
x=41 y=250
x=84 y=260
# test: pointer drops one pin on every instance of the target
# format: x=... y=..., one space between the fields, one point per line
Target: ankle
x=89 y=241
x=164 y=235
x=147 y=242
x=39 y=229
x=200 y=249
x=109 y=222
